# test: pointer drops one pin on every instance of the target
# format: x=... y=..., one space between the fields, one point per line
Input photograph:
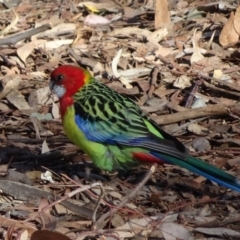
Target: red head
x=65 y=81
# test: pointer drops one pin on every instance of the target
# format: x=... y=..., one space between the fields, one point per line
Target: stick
x=210 y=110
x=13 y=39
x=127 y=198
x=97 y=206
x=213 y=87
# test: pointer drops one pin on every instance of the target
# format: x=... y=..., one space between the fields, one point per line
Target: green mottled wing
x=107 y=117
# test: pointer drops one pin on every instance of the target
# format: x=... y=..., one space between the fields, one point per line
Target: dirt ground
x=179 y=60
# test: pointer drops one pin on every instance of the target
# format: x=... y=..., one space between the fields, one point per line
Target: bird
x=115 y=133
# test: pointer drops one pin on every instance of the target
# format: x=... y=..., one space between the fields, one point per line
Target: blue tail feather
x=204 y=169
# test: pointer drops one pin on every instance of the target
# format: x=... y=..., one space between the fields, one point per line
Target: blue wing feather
x=107 y=133
x=98 y=133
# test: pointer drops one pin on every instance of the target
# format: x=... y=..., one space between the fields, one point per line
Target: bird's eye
x=59 y=78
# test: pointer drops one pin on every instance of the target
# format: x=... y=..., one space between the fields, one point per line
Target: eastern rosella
x=114 y=131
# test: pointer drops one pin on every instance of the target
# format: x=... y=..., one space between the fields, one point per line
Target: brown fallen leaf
x=236 y=22
x=9 y=82
x=48 y=235
x=228 y=34
x=162 y=15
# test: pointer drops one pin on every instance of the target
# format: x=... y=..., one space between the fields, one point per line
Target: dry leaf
x=236 y=23
x=47 y=176
x=9 y=82
x=131 y=12
x=197 y=55
x=197 y=51
x=162 y=15
x=197 y=129
x=93 y=19
x=11 y=25
x=45 y=148
x=221 y=232
x=55 y=111
x=25 y=50
x=55 y=44
x=17 y=99
x=174 y=231
x=182 y=82
x=201 y=144
x=46 y=234
x=24 y=235
x=125 y=231
x=110 y=6
x=158 y=35
x=40 y=97
x=115 y=61
x=60 y=29
x=117 y=220
x=199 y=102
x=127 y=31
x=217 y=73
x=228 y=34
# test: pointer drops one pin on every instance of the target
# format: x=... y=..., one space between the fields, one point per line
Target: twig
x=97 y=206
x=221 y=82
x=153 y=82
x=13 y=39
x=71 y=194
x=210 y=110
x=185 y=125
x=91 y=194
x=193 y=93
x=176 y=107
x=34 y=140
x=231 y=70
x=6 y=60
x=83 y=234
x=191 y=96
x=171 y=64
x=104 y=202
x=74 y=55
x=213 y=87
x=82 y=60
x=127 y=198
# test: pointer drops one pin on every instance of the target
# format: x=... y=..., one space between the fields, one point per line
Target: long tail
x=204 y=169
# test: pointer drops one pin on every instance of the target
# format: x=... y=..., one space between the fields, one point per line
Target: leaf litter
x=177 y=59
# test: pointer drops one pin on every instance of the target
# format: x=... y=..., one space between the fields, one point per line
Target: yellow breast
x=75 y=134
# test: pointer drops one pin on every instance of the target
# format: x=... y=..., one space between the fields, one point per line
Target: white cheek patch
x=59 y=90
